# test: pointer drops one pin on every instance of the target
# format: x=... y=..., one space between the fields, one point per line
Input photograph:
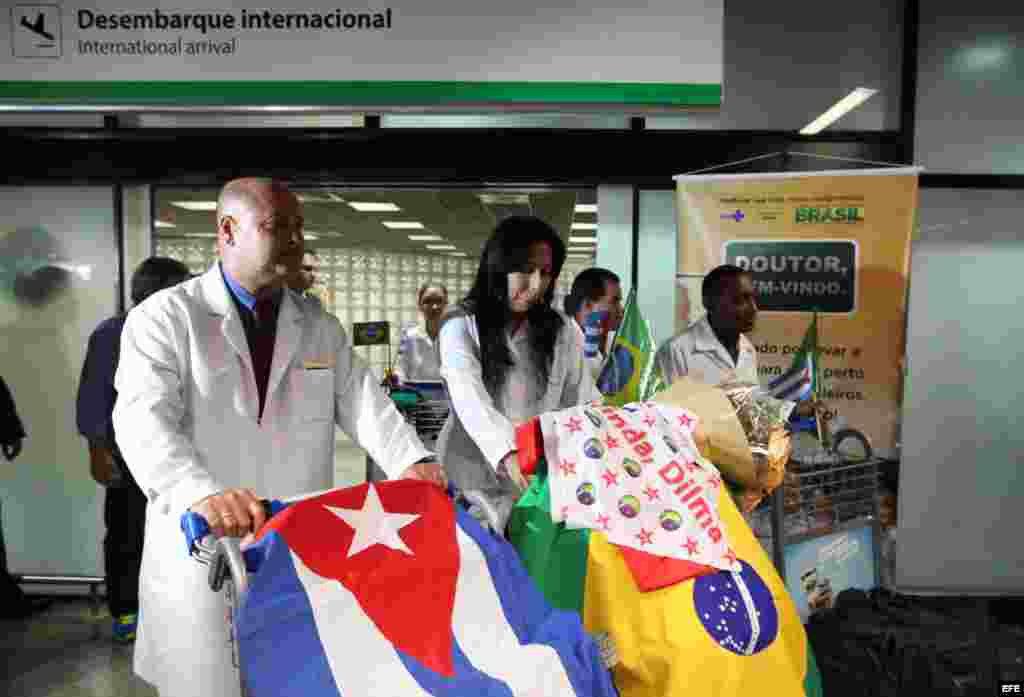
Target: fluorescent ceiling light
x=196 y=205
x=425 y=238
x=402 y=225
x=504 y=199
x=838 y=110
x=457 y=254
x=374 y=207
x=164 y=223
x=586 y=208
x=588 y=250
x=307 y=236
x=579 y=256
x=442 y=247
x=584 y=226
x=582 y=240
x=200 y=234
x=320 y=198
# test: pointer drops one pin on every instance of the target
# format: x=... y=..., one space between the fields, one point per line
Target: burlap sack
x=740 y=430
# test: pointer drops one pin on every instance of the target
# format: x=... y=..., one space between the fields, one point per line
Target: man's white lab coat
x=186 y=420
x=698 y=354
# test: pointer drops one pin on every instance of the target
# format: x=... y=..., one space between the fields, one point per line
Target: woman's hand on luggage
x=510 y=465
x=232 y=513
x=432 y=472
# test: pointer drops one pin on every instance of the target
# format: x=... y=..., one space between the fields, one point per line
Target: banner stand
x=833 y=242
x=785 y=155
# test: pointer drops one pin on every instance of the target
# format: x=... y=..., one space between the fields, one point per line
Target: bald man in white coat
x=229 y=388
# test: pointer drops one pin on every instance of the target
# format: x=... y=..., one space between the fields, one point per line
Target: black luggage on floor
x=887 y=645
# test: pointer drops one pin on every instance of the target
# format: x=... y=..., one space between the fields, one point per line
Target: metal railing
x=92 y=582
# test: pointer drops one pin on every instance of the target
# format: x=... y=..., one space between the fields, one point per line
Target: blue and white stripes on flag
x=800 y=382
x=795 y=384
x=388 y=589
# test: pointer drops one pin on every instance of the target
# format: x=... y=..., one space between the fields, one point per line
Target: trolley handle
x=195 y=527
x=224 y=555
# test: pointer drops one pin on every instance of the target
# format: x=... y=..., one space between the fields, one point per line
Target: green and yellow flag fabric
x=673 y=640
x=629 y=373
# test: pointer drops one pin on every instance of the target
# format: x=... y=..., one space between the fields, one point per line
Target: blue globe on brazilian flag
x=629 y=373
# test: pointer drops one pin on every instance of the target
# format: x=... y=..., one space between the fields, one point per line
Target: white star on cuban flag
x=373 y=525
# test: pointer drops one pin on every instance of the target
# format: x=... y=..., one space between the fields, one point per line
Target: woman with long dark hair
x=506 y=356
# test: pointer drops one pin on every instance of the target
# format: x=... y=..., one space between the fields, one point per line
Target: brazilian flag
x=673 y=640
x=629 y=373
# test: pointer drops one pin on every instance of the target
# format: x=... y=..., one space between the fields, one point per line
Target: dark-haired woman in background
x=507 y=356
x=418 y=359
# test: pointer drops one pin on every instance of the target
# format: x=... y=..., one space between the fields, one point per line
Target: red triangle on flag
x=651 y=572
x=404 y=584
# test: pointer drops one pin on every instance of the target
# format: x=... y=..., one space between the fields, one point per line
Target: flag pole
x=611 y=345
x=817 y=380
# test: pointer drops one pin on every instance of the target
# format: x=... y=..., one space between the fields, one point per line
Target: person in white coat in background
x=229 y=388
x=418 y=357
x=305 y=281
x=506 y=356
x=715 y=349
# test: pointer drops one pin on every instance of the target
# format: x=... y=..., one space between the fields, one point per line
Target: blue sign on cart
x=820 y=568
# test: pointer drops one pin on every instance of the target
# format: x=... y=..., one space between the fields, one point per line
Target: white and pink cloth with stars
x=635 y=474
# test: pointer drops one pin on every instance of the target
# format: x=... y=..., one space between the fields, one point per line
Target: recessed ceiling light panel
x=374 y=207
x=196 y=205
x=838 y=110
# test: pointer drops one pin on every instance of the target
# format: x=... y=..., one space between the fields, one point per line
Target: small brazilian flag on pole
x=629 y=373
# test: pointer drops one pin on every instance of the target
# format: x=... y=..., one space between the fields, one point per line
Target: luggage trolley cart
x=428 y=414
x=817 y=498
x=827 y=488
x=425 y=406
x=227 y=571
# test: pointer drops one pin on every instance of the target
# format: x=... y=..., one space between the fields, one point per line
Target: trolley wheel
x=851 y=445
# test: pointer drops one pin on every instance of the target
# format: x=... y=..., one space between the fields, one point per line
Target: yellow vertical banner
x=836 y=243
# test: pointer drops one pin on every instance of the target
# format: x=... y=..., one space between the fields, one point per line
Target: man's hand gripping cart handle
x=223 y=555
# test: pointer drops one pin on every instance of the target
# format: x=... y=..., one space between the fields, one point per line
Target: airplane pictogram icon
x=37 y=27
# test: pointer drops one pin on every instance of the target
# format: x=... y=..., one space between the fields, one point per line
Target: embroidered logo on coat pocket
x=317 y=365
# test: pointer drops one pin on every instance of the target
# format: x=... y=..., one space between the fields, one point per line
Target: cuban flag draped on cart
x=390 y=589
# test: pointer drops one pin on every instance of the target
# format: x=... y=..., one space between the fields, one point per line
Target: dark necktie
x=262 y=344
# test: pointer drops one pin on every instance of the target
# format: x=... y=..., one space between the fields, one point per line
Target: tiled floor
x=67 y=650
